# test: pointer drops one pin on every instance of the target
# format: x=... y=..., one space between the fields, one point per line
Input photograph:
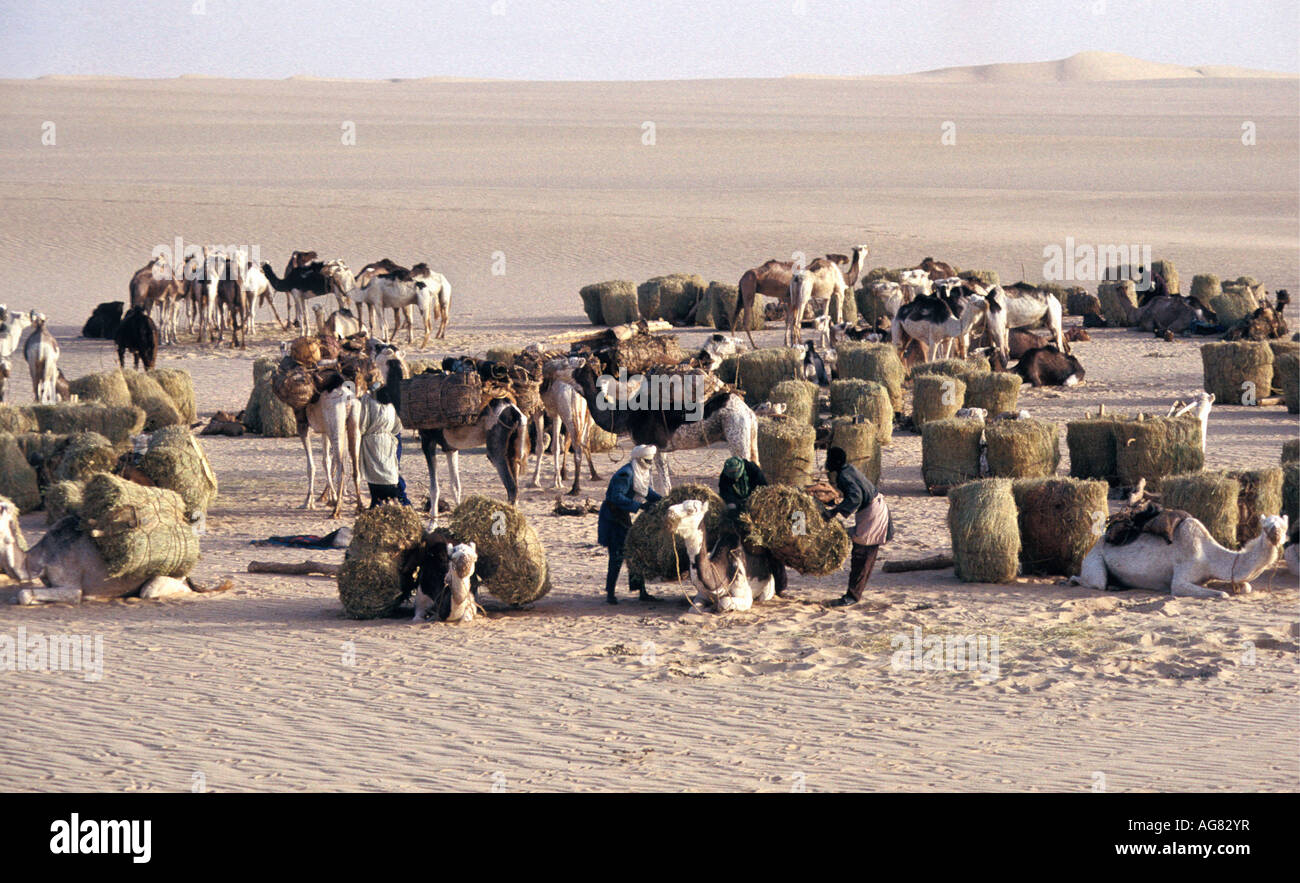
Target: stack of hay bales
x=14 y=419
x=265 y=414
x=1166 y=269
x=141 y=532
x=1157 y=447
x=860 y=444
x=652 y=552
x=985 y=533
x=950 y=453
x=723 y=302
x=1261 y=494
x=985 y=278
x=1118 y=302
x=159 y=409
x=962 y=368
x=878 y=362
x=1237 y=300
x=17 y=477
x=512 y=563
x=109 y=388
x=788 y=523
x=756 y=372
x=179 y=386
x=1022 y=448
x=1078 y=302
x=800 y=398
x=175 y=461
x=669 y=297
x=936 y=397
x=63 y=498
x=864 y=398
x=1210 y=497
x=83 y=455
x=1205 y=288
x=1238 y=372
x=1091 y=442
x=997 y=392
x=376 y=576
x=1059 y=520
x=117 y=424
x=1286 y=376
x=610 y=303
x=786 y=450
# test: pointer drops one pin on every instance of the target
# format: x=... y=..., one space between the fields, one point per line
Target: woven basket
x=441 y=401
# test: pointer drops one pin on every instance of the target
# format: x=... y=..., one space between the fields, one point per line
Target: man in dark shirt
x=739 y=479
x=629 y=491
x=872 y=524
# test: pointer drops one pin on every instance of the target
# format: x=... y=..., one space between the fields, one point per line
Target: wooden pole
x=302 y=568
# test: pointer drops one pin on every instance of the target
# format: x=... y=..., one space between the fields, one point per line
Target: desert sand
x=267 y=686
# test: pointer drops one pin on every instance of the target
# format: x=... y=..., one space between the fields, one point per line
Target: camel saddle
x=441 y=401
x=1131 y=522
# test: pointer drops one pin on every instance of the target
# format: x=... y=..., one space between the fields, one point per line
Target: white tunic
x=379 y=429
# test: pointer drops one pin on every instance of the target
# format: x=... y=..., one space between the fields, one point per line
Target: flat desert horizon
x=521 y=193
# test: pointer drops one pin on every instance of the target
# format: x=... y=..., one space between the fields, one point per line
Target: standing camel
x=772 y=279
x=931 y=322
x=335 y=415
x=42 y=354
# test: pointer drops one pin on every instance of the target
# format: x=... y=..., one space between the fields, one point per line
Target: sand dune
x=1089 y=67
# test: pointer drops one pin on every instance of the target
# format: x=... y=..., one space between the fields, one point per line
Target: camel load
x=512 y=563
x=441 y=401
x=141 y=532
x=788 y=523
x=379 y=566
x=175 y=461
x=653 y=551
x=293 y=383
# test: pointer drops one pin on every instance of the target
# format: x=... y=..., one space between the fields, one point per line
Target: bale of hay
x=1080 y=303
x=1236 y=300
x=962 y=368
x=670 y=298
x=997 y=392
x=1210 y=497
x=1022 y=448
x=1238 y=372
x=756 y=372
x=158 y=407
x=1169 y=273
x=511 y=561
x=180 y=465
x=785 y=448
x=985 y=278
x=1206 y=287
x=265 y=414
x=864 y=398
x=1157 y=447
x=590 y=295
x=40 y=447
x=1261 y=494
x=63 y=498
x=117 y=424
x=141 y=532
x=82 y=456
x=1058 y=520
x=504 y=355
x=723 y=299
x=17 y=477
x=14 y=419
x=1118 y=302
x=109 y=387
x=861 y=446
x=652 y=552
x=641 y=352
x=870 y=307
x=878 y=362
x=1286 y=376
x=936 y=397
x=1290 y=450
x=800 y=398
x=849 y=308
x=618 y=302
x=599 y=441
x=1091 y=443
x=1291 y=490
x=787 y=522
x=179 y=386
x=376 y=576
x=950 y=453
x=982 y=521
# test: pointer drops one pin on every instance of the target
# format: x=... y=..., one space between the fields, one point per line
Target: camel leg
x=453 y=473
x=305 y=437
x=660 y=480
x=1092 y=573
x=353 y=428
x=577 y=463
x=556 y=453
x=539 y=448
x=429 y=447
x=586 y=448
x=49 y=595
x=1185 y=588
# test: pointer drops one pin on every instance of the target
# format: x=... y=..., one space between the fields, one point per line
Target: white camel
x=11 y=333
x=931 y=323
x=1025 y=307
x=42 y=354
x=1200 y=406
x=730 y=578
x=335 y=415
x=1182 y=568
x=340 y=323
x=563 y=404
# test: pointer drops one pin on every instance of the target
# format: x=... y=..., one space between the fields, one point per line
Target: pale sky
x=622 y=39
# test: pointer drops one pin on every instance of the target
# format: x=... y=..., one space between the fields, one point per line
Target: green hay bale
x=1210 y=497
x=158 y=407
x=1238 y=372
x=17 y=477
x=986 y=278
x=1157 y=447
x=141 y=532
x=179 y=386
x=1291 y=490
x=1058 y=519
x=590 y=295
x=109 y=387
x=1286 y=377
x=963 y=368
x=1078 y=302
x=800 y=398
x=83 y=455
x=1206 y=287
x=117 y=424
x=1261 y=494
x=265 y=414
x=785 y=449
x=864 y=398
x=653 y=552
x=63 y=498
x=1022 y=448
x=618 y=302
x=756 y=372
x=950 y=453
x=1170 y=273
x=1291 y=450
x=722 y=300
x=179 y=464
x=376 y=576
x=877 y=362
x=669 y=297
x=14 y=419
x=982 y=521
x=997 y=392
x=1092 y=447
x=1119 y=303
x=599 y=441
x=882 y=274
x=512 y=563
x=1237 y=300
x=936 y=397
x=788 y=523
x=860 y=444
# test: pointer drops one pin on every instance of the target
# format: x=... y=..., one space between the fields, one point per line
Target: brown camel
x=772 y=279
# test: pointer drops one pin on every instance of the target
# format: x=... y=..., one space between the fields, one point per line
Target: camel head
x=13 y=558
x=1272 y=528
x=685 y=517
x=36 y=319
x=976 y=308
x=462 y=559
x=1203 y=403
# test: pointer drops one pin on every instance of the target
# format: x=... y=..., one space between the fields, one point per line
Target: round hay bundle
x=986 y=278
x=936 y=397
x=722 y=300
x=1081 y=303
x=599 y=441
x=800 y=398
x=962 y=368
x=861 y=447
x=755 y=372
x=1291 y=490
x=1169 y=272
x=141 y=532
x=985 y=533
x=158 y=407
x=878 y=362
x=1261 y=494
x=82 y=456
x=115 y=424
x=1092 y=447
x=1236 y=301
x=1210 y=497
x=265 y=414
x=950 y=453
x=17 y=477
x=1057 y=522
x=15 y=420
x=590 y=295
x=171 y=436
x=179 y=386
x=180 y=465
x=670 y=297
x=1118 y=302
x=1157 y=447
x=617 y=302
x=703 y=317
x=787 y=522
x=63 y=498
x=109 y=387
x=511 y=561
x=997 y=392
x=504 y=355
x=376 y=576
x=864 y=398
x=1238 y=372
x=1286 y=376
x=652 y=552
x=1022 y=448
x=1206 y=287
x=1290 y=450
x=785 y=448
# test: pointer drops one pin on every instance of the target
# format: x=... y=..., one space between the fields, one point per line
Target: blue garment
x=618 y=508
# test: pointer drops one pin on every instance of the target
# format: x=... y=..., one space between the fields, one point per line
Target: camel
x=335 y=415
x=800 y=298
x=158 y=286
x=232 y=299
x=1028 y=307
x=914 y=283
x=1170 y=312
x=42 y=354
x=730 y=578
x=1201 y=406
x=300 y=285
x=341 y=323
x=11 y=332
x=1183 y=567
x=937 y=269
x=832 y=283
x=384 y=285
x=562 y=403
x=931 y=322
x=256 y=287
x=716 y=348
x=446 y=584
x=772 y=279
